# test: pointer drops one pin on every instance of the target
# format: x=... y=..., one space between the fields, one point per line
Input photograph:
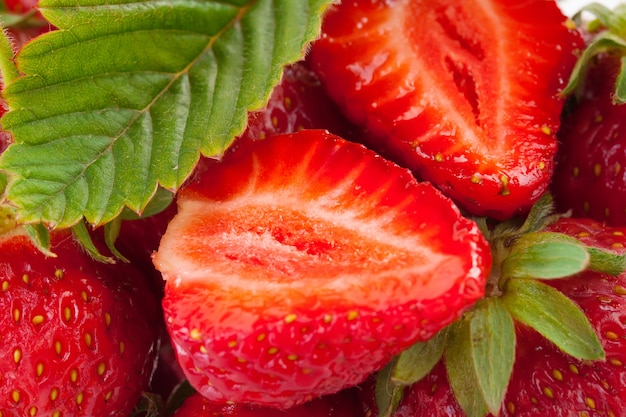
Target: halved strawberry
x=301 y=263
x=76 y=337
x=465 y=94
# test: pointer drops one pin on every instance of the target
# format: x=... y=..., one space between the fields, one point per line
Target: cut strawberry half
x=301 y=263
x=465 y=94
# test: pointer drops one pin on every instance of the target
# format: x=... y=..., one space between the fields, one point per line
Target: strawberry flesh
x=317 y=261
x=465 y=94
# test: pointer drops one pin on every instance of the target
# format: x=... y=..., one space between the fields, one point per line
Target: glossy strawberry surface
x=77 y=336
x=546 y=382
x=298 y=102
x=301 y=263
x=465 y=94
x=590 y=178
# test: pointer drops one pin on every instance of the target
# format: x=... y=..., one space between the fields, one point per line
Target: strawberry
x=298 y=102
x=135 y=242
x=590 y=178
x=139 y=238
x=544 y=381
x=342 y=404
x=76 y=335
x=299 y=264
x=465 y=94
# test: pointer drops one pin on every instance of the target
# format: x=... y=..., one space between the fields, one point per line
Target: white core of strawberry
x=271 y=244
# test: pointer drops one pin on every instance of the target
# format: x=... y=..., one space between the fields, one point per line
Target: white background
x=570 y=7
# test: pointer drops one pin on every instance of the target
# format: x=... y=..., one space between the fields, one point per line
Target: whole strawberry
x=298 y=102
x=341 y=404
x=590 y=178
x=465 y=94
x=544 y=381
x=299 y=264
x=77 y=338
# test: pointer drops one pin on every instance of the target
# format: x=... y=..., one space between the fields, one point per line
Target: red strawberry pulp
x=317 y=261
x=465 y=94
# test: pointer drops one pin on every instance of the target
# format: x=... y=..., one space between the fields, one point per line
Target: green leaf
x=111 y=233
x=417 y=361
x=81 y=234
x=606 y=262
x=40 y=237
x=620 y=84
x=461 y=370
x=487 y=349
x=613 y=20
x=7 y=64
x=161 y=201
x=388 y=393
x=545 y=255
x=553 y=315
x=604 y=42
x=127 y=93
x=4 y=182
x=541 y=214
x=599 y=10
x=493 y=338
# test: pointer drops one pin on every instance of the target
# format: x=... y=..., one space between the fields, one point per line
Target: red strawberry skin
x=545 y=382
x=301 y=263
x=341 y=404
x=465 y=94
x=298 y=102
x=77 y=338
x=139 y=239
x=590 y=178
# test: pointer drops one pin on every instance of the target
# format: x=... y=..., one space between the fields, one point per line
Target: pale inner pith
x=285 y=245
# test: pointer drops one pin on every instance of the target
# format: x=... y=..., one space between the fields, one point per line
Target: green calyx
x=479 y=349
